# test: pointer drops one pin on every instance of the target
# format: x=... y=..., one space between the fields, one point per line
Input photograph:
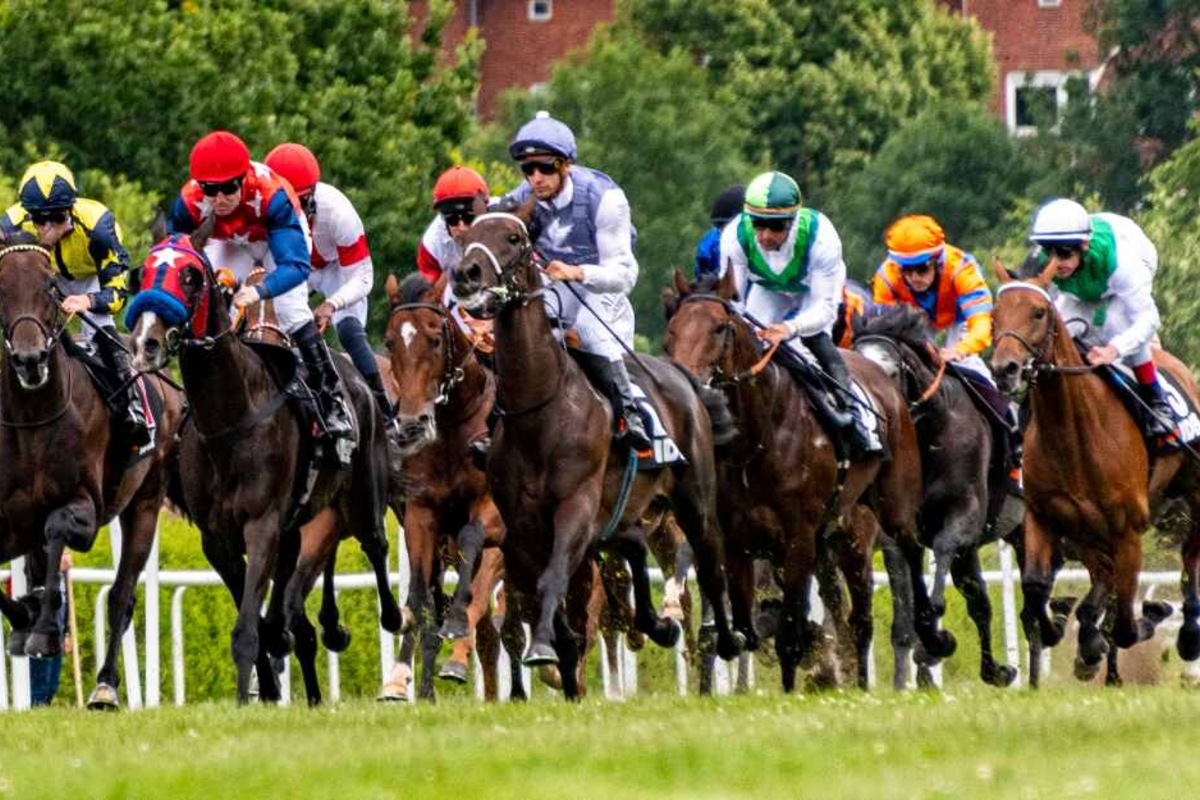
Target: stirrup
x=634 y=434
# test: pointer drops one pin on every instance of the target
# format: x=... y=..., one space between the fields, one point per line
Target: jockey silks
x=794 y=276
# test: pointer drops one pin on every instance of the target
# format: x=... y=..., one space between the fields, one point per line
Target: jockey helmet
x=297 y=164
x=914 y=239
x=219 y=156
x=543 y=134
x=47 y=186
x=1061 y=221
x=459 y=183
x=773 y=195
x=727 y=205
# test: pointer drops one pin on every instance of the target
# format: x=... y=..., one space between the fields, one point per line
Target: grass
x=972 y=742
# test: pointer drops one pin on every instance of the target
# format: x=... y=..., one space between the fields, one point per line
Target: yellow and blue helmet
x=47 y=186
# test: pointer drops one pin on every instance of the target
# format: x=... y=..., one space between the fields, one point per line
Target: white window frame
x=536 y=16
x=1049 y=3
x=1056 y=79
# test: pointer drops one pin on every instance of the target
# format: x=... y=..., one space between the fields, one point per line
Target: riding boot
x=1160 y=421
x=822 y=346
x=137 y=427
x=479 y=447
x=1015 y=435
x=330 y=398
x=630 y=429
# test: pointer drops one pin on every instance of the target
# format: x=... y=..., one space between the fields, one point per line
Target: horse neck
x=468 y=397
x=1073 y=405
x=525 y=349
x=753 y=397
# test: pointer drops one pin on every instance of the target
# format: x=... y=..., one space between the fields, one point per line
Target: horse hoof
x=335 y=639
x=1189 y=640
x=391 y=619
x=549 y=675
x=1155 y=611
x=666 y=633
x=946 y=645
x=1000 y=675
x=455 y=671
x=43 y=645
x=393 y=693
x=407 y=620
x=635 y=640
x=1084 y=671
x=540 y=654
x=453 y=629
x=103 y=698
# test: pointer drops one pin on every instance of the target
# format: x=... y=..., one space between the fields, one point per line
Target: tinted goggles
x=214 y=188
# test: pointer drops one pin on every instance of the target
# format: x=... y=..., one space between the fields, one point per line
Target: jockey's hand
x=51 y=233
x=323 y=314
x=776 y=334
x=951 y=355
x=76 y=303
x=1104 y=354
x=559 y=271
x=246 y=296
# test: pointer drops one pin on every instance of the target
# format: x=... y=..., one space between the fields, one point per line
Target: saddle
x=287 y=368
x=1185 y=413
x=112 y=390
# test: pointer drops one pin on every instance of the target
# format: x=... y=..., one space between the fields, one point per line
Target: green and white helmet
x=773 y=195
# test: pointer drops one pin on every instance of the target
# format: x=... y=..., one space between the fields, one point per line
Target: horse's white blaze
x=408 y=332
x=141 y=330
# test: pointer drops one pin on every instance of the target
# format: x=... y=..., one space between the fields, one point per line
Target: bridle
x=452 y=368
x=721 y=379
x=896 y=346
x=1038 y=363
x=507 y=292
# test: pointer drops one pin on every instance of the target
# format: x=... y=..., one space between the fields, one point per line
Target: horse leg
x=75 y=525
x=573 y=522
x=968 y=578
x=491 y=564
x=1037 y=577
x=1188 y=642
x=512 y=636
x=1128 y=629
x=1112 y=672
x=703 y=535
x=794 y=637
x=262 y=546
x=903 y=615
x=365 y=514
x=398 y=687
x=318 y=551
x=1092 y=645
x=420 y=538
x=138 y=521
x=662 y=631
x=470 y=548
x=487 y=648
x=855 y=561
x=334 y=635
x=431 y=643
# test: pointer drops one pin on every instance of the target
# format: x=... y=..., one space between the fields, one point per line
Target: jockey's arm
x=826 y=277
x=881 y=290
x=428 y=263
x=973 y=299
x=731 y=256
x=112 y=265
x=289 y=248
x=617 y=271
x=1139 y=305
x=355 y=259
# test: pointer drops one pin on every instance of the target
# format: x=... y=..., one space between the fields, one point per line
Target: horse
x=549 y=466
x=784 y=494
x=966 y=480
x=1090 y=480
x=443 y=400
x=247 y=475
x=65 y=473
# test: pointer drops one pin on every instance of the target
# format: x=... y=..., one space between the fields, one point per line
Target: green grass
x=974 y=742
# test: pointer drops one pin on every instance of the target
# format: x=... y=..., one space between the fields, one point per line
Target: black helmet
x=727 y=205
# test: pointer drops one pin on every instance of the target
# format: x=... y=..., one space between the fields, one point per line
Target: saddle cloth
x=868 y=440
x=111 y=389
x=1121 y=378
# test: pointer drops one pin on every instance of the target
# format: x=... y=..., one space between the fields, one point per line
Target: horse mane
x=902 y=322
x=413 y=289
x=20 y=236
x=525 y=210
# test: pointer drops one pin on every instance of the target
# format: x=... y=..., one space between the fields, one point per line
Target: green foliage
x=824 y=85
x=657 y=125
x=953 y=161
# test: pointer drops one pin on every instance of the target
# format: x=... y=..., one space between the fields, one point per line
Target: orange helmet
x=219 y=156
x=296 y=163
x=458 y=183
x=914 y=239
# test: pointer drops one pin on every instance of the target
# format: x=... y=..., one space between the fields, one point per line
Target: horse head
x=427 y=352
x=1026 y=325
x=881 y=335
x=496 y=268
x=704 y=333
x=178 y=297
x=29 y=311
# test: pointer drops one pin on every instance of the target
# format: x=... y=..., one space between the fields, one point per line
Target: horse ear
x=392 y=287
x=682 y=287
x=201 y=235
x=725 y=288
x=158 y=226
x=435 y=292
x=670 y=300
x=1047 y=274
x=1002 y=271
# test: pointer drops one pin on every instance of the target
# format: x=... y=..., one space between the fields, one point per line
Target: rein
x=1039 y=364
x=452 y=372
x=893 y=344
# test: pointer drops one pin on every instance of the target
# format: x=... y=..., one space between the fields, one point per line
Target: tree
x=824 y=84
x=660 y=129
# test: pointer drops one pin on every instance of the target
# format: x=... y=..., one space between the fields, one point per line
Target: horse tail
x=717 y=404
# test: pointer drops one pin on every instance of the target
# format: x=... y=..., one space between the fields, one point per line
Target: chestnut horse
x=65 y=474
x=783 y=494
x=1085 y=469
x=549 y=466
x=240 y=470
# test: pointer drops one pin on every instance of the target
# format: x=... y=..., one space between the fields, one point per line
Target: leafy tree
x=824 y=84
x=655 y=124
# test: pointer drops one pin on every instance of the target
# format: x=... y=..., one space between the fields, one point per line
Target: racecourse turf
x=969 y=742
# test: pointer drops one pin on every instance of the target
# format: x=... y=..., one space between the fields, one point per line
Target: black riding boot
x=330 y=398
x=1160 y=419
x=831 y=361
x=631 y=429
x=133 y=415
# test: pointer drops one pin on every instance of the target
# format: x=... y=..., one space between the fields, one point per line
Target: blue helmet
x=543 y=134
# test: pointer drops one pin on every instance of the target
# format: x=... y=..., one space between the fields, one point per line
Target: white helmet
x=1061 y=221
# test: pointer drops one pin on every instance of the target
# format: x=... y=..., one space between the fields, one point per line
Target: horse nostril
x=1011 y=369
x=474 y=274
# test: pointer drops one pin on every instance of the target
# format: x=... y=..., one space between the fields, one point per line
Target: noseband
x=1038 y=363
x=452 y=373
x=507 y=292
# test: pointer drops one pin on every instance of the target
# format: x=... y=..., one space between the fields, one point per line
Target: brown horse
x=1085 y=470
x=550 y=468
x=65 y=474
x=242 y=471
x=783 y=494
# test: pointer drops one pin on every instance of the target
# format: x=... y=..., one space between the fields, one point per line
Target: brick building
x=1038 y=44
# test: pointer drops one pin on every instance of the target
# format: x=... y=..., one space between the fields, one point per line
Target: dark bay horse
x=1089 y=479
x=783 y=495
x=965 y=483
x=550 y=468
x=242 y=471
x=64 y=473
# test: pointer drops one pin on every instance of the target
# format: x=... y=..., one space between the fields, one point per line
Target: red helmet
x=458 y=183
x=296 y=163
x=219 y=156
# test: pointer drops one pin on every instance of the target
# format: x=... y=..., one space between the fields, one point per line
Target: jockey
x=587 y=238
x=943 y=281
x=788 y=270
x=725 y=207
x=1104 y=266
x=259 y=220
x=856 y=302
x=342 y=269
x=86 y=241
x=459 y=196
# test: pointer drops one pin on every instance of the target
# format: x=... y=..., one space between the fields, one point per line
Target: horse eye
x=1039 y=313
x=514 y=238
x=389 y=343
x=435 y=341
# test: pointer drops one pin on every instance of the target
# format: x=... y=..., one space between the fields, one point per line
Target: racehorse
x=247 y=475
x=550 y=469
x=1085 y=472
x=965 y=482
x=783 y=494
x=65 y=473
